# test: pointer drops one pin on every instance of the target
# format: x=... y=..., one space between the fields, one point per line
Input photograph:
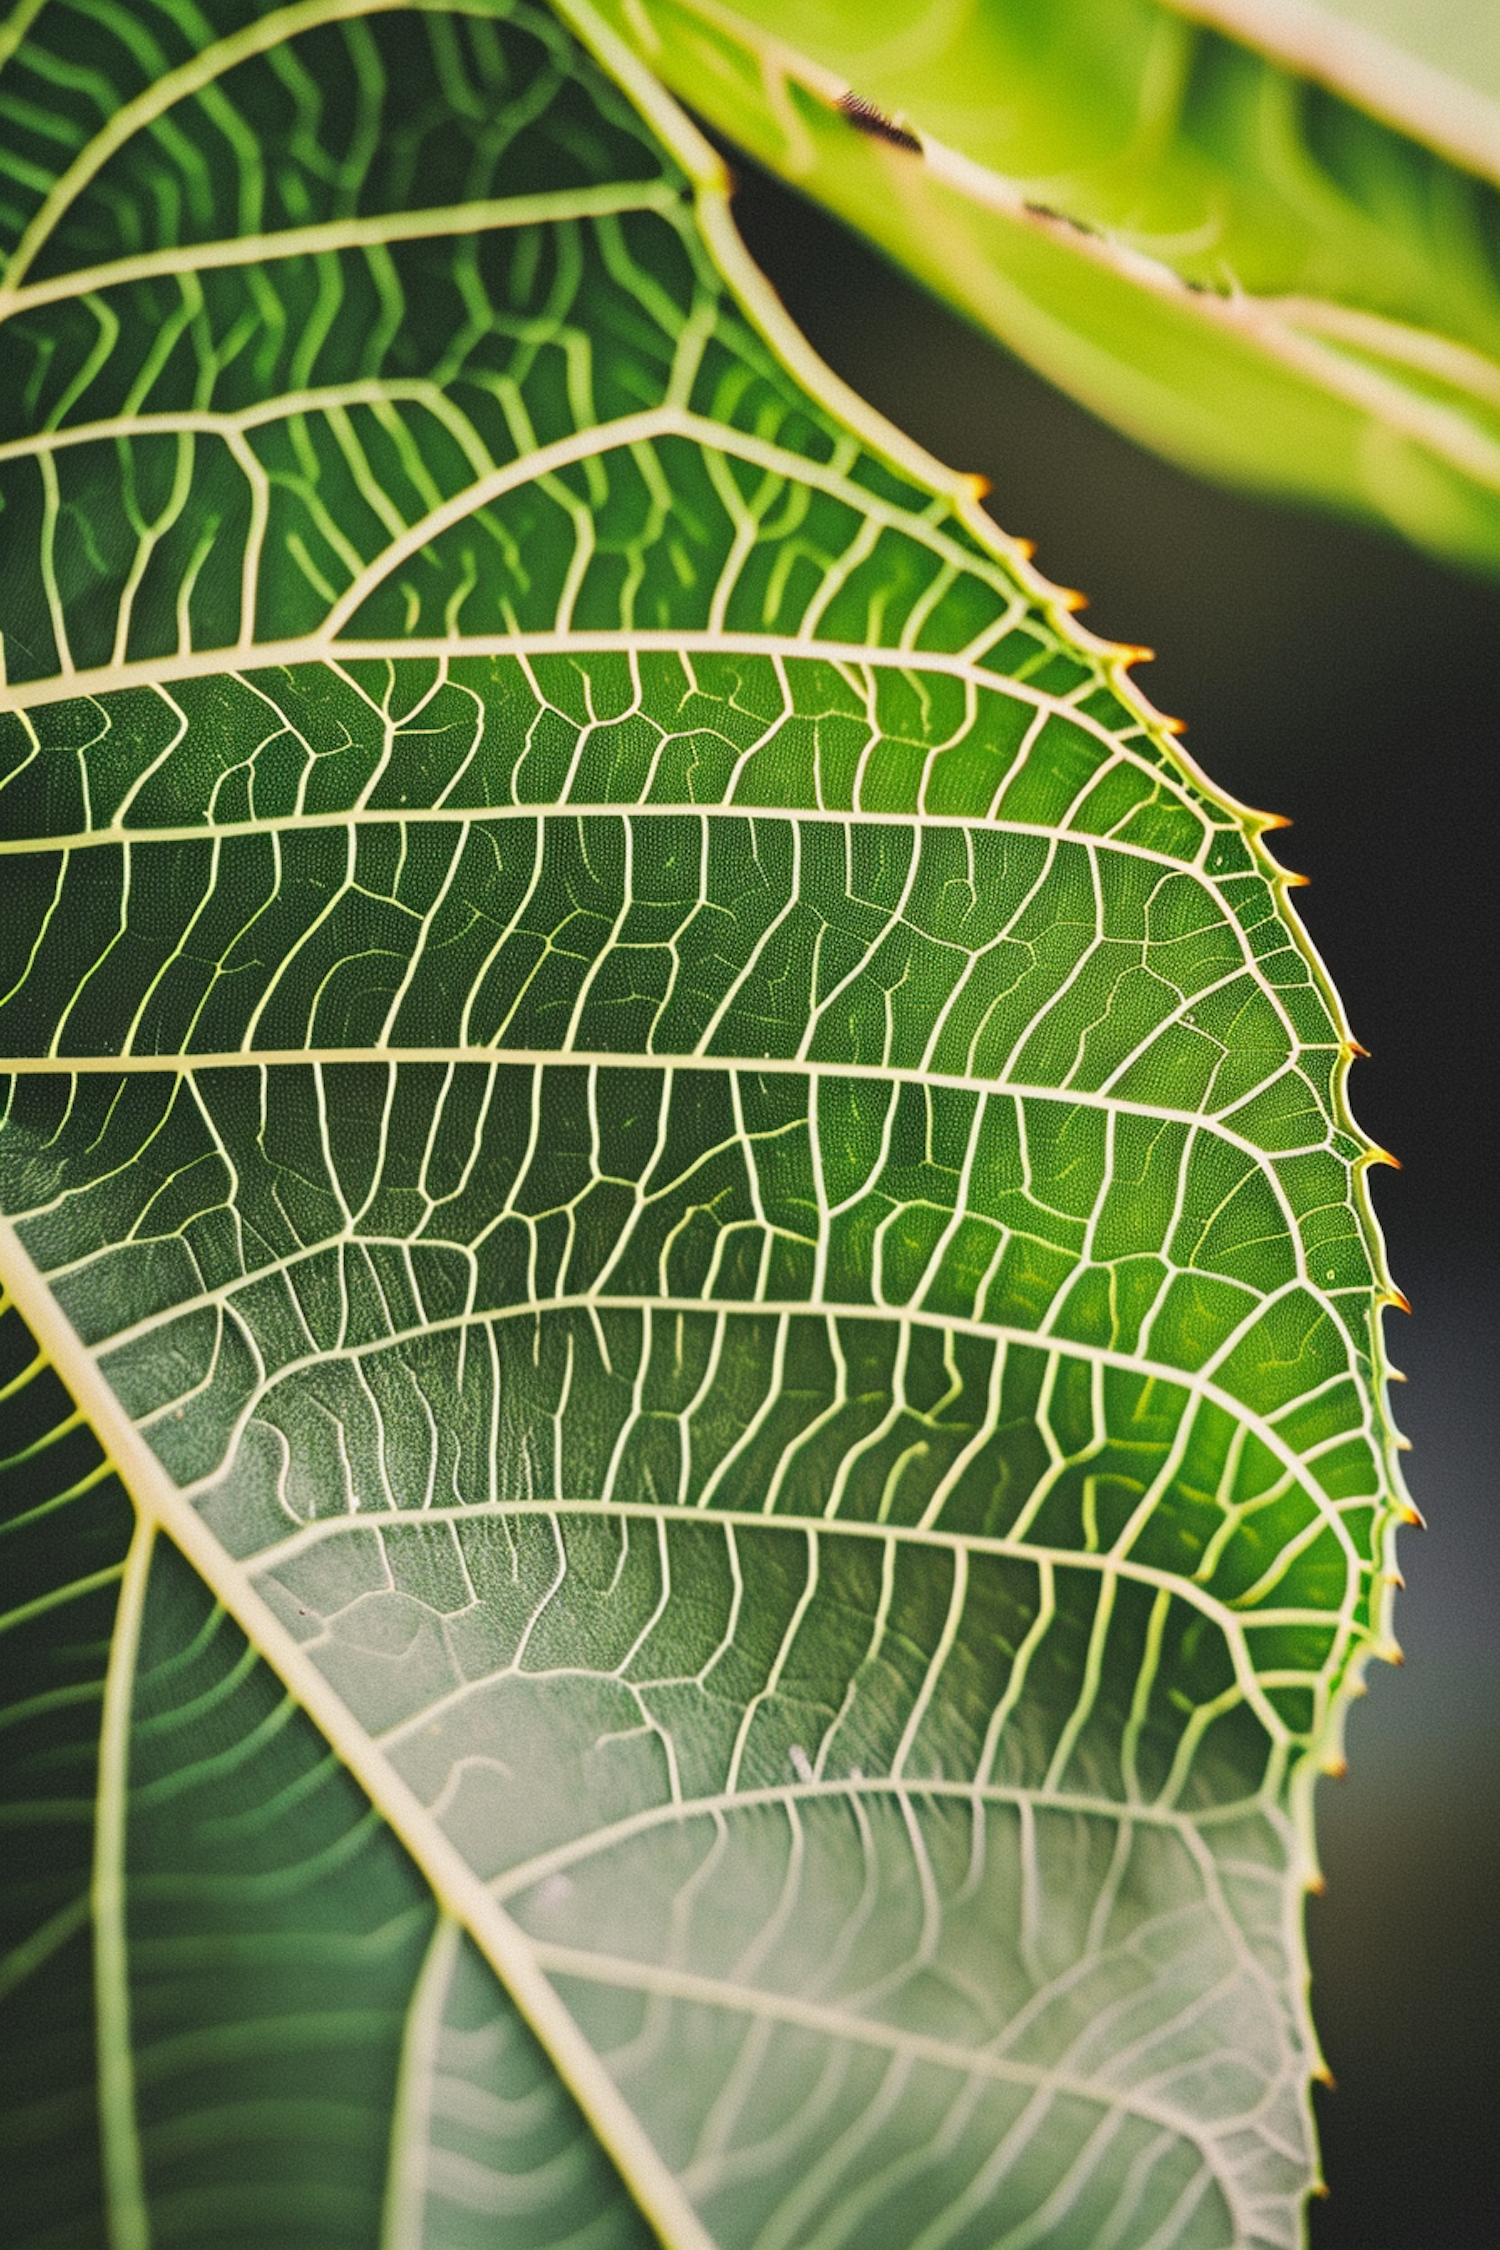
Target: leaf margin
x=159 y=1506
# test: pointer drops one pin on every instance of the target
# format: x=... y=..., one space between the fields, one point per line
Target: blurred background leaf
x=1233 y=262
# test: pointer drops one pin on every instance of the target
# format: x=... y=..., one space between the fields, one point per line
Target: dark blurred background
x=1328 y=673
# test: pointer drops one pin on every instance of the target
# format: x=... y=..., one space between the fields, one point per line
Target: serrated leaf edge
x=463 y=1901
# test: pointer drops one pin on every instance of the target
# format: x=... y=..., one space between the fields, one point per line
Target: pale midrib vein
x=124 y=2183
x=1268 y=323
x=160 y=1505
x=494 y=214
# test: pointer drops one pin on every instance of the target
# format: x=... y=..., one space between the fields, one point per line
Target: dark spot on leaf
x=866 y=118
x=1063 y=218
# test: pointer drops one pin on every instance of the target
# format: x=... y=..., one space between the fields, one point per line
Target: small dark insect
x=866 y=118
x=1063 y=218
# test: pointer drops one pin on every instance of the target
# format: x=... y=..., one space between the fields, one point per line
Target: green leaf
x=1227 y=258
x=692 y=1403
x=1432 y=71
x=286 y=1974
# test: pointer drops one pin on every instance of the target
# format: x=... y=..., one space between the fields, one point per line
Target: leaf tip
x=1391 y=1295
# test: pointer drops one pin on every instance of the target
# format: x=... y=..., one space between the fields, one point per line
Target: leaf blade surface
x=701 y=1179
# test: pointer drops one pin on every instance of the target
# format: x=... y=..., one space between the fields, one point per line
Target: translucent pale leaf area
x=692 y=1407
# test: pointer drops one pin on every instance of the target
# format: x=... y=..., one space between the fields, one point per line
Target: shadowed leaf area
x=703 y=1193
x=279 y=1945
